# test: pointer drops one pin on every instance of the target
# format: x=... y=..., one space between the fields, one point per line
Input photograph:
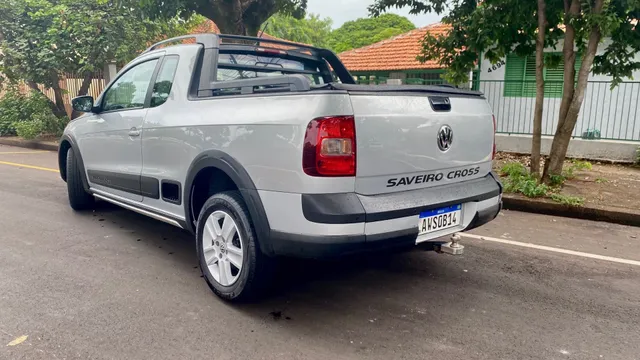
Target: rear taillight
x=493 y=155
x=330 y=147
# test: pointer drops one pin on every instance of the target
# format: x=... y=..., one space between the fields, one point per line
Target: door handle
x=134 y=132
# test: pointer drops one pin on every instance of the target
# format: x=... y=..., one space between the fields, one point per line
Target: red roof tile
x=206 y=27
x=396 y=53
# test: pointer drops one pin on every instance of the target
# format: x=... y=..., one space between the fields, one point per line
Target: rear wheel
x=79 y=199
x=228 y=249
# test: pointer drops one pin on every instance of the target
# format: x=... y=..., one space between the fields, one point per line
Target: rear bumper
x=329 y=225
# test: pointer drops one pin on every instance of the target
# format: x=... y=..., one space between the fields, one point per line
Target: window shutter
x=520 y=77
x=578 y=64
x=529 y=85
x=554 y=81
x=514 y=75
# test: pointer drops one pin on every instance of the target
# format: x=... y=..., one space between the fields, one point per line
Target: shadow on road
x=303 y=279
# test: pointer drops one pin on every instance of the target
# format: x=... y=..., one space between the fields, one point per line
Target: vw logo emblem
x=445 y=138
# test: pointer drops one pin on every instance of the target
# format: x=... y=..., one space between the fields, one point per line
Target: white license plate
x=439 y=219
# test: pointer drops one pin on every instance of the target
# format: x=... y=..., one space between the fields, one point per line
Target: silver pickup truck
x=265 y=148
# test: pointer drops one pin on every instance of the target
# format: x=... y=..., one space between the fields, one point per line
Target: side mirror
x=82 y=103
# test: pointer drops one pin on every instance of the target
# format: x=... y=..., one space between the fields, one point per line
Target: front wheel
x=228 y=249
x=79 y=199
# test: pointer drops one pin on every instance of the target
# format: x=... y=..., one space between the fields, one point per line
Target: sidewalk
x=611 y=193
x=50 y=145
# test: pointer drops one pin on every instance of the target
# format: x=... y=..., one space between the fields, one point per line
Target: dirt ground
x=608 y=185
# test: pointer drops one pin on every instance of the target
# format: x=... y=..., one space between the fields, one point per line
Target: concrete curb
x=587 y=212
x=29 y=144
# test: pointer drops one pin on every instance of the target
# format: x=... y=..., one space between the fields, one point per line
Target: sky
x=341 y=11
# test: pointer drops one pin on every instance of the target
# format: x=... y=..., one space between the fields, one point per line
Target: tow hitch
x=453 y=247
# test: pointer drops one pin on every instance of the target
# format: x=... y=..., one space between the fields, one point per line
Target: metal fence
x=605 y=114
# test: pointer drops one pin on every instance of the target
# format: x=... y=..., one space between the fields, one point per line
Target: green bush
x=30 y=129
x=10 y=105
x=527 y=185
x=17 y=108
x=519 y=180
x=557 y=180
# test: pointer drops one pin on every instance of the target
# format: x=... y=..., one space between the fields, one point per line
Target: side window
x=164 y=81
x=130 y=90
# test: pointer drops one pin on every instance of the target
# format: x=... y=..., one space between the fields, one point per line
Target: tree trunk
x=84 y=88
x=52 y=104
x=227 y=14
x=237 y=17
x=569 y=57
x=572 y=10
x=563 y=133
x=33 y=85
x=86 y=83
x=537 y=116
x=60 y=110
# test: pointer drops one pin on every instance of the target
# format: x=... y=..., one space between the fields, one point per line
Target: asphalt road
x=112 y=284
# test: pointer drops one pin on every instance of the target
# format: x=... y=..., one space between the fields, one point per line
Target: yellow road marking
x=29 y=166
x=24 y=152
x=19 y=340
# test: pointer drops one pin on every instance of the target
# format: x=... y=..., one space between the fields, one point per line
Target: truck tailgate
x=399 y=147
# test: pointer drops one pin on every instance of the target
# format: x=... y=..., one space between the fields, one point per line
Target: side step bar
x=150 y=214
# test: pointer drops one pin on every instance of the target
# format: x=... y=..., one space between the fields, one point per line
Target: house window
x=372 y=79
x=424 y=78
x=520 y=77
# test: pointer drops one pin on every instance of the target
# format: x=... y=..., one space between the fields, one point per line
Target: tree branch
x=539 y=107
x=569 y=57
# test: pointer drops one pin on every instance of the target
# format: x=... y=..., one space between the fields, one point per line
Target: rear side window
x=248 y=66
x=164 y=81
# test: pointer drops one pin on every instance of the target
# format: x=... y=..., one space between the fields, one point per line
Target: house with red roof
x=396 y=58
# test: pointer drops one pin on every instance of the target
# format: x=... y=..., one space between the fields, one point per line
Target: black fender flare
x=237 y=173
x=62 y=159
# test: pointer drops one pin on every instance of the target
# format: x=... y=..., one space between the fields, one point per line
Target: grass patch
x=517 y=179
x=575 y=165
x=567 y=199
x=557 y=180
x=601 y=180
x=514 y=169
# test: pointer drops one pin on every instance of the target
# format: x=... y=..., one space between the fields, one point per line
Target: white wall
x=608 y=150
x=613 y=112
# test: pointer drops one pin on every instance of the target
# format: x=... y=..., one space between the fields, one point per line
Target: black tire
x=79 y=199
x=257 y=268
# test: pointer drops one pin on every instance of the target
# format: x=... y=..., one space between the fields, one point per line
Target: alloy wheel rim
x=222 y=248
